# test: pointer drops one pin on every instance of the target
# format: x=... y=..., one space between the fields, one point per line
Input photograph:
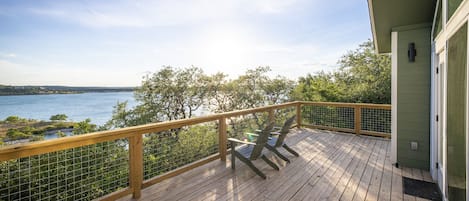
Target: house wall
x=413 y=96
x=452 y=173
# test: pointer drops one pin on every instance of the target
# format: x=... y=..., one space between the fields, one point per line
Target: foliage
x=82 y=173
x=14 y=119
x=83 y=127
x=36 y=138
x=61 y=134
x=169 y=150
x=363 y=77
x=173 y=93
x=253 y=89
x=58 y=117
x=15 y=134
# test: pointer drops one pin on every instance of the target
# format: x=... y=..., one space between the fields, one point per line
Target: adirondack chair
x=251 y=151
x=277 y=140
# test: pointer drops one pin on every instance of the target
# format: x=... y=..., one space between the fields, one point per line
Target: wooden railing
x=358 y=118
x=16 y=159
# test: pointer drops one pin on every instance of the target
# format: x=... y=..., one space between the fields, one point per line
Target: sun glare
x=223 y=48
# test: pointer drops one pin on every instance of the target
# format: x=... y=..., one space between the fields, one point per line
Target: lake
x=96 y=106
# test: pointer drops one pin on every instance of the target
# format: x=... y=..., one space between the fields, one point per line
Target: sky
x=117 y=42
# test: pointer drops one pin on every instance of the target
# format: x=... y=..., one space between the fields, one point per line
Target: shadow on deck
x=331 y=166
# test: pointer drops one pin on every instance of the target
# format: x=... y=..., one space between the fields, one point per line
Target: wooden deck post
x=298 y=115
x=222 y=139
x=136 y=165
x=358 y=119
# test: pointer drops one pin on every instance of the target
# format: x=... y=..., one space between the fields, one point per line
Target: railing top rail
x=338 y=104
x=34 y=148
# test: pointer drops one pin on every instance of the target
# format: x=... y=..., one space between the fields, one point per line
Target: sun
x=225 y=48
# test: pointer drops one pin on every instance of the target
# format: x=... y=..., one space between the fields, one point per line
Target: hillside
x=6 y=90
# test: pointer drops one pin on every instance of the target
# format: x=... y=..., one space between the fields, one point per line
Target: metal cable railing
x=369 y=119
x=169 y=150
x=81 y=173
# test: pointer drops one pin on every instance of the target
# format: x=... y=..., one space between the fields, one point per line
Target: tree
x=12 y=119
x=83 y=127
x=168 y=94
x=121 y=116
x=253 y=89
x=61 y=134
x=250 y=90
x=363 y=77
x=58 y=117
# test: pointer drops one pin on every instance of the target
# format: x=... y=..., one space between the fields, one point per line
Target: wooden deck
x=331 y=166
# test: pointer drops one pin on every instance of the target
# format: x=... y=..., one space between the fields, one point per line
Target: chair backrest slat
x=285 y=130
x=261 y=141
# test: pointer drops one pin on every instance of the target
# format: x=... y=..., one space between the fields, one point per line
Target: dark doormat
x=421 y=189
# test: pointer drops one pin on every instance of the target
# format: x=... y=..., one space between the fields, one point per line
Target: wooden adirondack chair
x=250 y=151
x=277 y=140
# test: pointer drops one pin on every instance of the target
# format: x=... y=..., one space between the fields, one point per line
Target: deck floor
x=331 y=166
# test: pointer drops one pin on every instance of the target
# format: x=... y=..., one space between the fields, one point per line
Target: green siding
x=456 y=114
x=413 y=98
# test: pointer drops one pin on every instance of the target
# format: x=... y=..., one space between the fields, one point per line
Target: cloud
x=145 y=13
x=7 y=55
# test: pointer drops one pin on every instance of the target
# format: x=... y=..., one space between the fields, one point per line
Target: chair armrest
x=240 y=141
x=252 y=134
x=275 y=133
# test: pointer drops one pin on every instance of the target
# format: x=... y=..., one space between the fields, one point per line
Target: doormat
x=421 y=189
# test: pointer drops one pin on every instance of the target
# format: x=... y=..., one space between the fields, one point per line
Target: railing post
x=136 y=165
x=358 y=119
x=222 y=141
x=298 y=115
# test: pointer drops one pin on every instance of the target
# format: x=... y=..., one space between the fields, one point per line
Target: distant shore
x=7 y=90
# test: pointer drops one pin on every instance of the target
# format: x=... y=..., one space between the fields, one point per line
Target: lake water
x=96 y=106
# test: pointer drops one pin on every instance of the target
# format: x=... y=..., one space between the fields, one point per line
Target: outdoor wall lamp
x=411 y=53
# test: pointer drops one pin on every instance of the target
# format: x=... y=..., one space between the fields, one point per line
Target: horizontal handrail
x=338 y=104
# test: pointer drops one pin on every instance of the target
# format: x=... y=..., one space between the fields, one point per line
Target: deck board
x=331 y=166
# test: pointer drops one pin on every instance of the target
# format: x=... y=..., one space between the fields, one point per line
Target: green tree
x=168 y=94
x=58 y=117
x=15 y=134
x=121 y=116
x=13 y=119
x=363 y=77
x=83 y=127
x=61 y=134
x=252 y=89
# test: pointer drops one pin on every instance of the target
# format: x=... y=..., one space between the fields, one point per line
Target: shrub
x=12 y=119
x=58 y=117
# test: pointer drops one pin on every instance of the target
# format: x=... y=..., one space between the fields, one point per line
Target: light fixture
x=411 y=53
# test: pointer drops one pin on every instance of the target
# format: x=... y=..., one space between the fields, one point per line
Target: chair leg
x=272 y=164
x=233 y=157
x=290 y=150
x=273 y=149
x=255 y=169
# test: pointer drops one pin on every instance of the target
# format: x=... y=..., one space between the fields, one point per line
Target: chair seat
x=272 y=141
x=245 y=150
